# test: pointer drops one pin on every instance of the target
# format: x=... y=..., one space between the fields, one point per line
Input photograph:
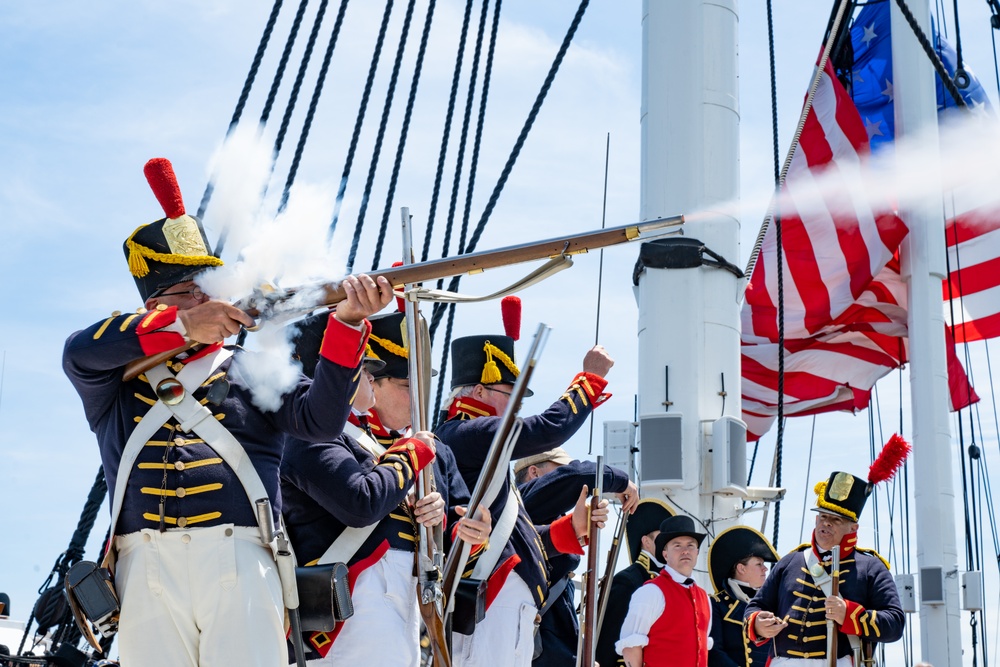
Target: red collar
x=847 y=545
x=469 y=408
x=378 y=428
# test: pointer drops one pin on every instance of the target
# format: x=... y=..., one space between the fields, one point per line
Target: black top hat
x=676 y=526
x=648 y=516
x=844 y=494
x=172 y=249
x=733 y=545
x=310 y=340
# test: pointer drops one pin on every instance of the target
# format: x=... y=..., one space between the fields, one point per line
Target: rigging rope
x=313 y=104
x=404 y=132
x=359 y=121
x=390 y=93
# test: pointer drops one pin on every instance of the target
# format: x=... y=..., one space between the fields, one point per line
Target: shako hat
x=557 y=455
x=676 y=526
x=845 y=495
x=733 y=545
x=387 y=342
x=310 y=339
x=648 y=516
x=489 y=360
x=172 y=249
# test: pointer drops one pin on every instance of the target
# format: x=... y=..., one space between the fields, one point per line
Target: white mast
x=924 y=270
x=689 y=330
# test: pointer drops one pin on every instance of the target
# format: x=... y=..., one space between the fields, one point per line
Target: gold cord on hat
x=491 y=372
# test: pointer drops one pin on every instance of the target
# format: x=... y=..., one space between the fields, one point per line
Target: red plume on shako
x=170 y=250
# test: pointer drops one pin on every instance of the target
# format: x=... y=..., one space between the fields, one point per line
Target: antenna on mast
x=600 y=273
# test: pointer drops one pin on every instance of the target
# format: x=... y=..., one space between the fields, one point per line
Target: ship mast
x=692 y=441
x=923 y=264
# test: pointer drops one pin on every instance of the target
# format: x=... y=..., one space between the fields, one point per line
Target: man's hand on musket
x=836 y=609
x=474 y=531
x=598 y=516
x=597 y=361
x=213 y=321
x=766 y=624
x=429 y=510
x=629 y=498
x=365 y=297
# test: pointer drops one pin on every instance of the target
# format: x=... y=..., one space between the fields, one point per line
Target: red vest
x=679 y=637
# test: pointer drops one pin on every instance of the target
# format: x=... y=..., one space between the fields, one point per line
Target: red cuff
x=851 y=625
x=151 y=339
x=418 y=452
x=344 y=345
x=593 y=386
x=751 y=633
x=563 y=536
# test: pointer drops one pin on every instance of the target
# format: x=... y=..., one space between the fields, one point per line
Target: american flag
x=845 y=303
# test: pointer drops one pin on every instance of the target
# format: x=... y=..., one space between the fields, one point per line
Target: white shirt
x=647 y=605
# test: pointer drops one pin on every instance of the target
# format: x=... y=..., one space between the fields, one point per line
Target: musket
x=272 y=303
x=832 y=629
x=588 y=629
x=430 y=547
x=495 y=470
x=604 y=586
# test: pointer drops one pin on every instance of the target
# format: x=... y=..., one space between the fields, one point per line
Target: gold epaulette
x=876 y=554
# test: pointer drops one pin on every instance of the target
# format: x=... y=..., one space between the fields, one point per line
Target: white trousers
x=207 y=597
x=505 y=638
x=846 y=661
x=385 y=627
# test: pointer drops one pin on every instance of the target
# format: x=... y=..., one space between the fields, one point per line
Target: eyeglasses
x=195 y=293
x=498 y=391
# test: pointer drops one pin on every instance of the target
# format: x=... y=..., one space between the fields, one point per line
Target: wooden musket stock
x=832 y=629
x=588 y=628
x=330 y=294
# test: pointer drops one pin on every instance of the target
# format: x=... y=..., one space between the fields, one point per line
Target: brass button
x=229 y=532
x=185 y=538
x=170 y=391
x=180 y=442
x=410 y=446
x=181 y=492
x=146 y=537
x=179 y=465
x=397 y=465
x=116 y=313
x=182 y=521
x=161 y=307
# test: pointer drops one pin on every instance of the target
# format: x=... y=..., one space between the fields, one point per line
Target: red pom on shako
x=510 y=309
x=889 y=459
x=400 y=303
x=160 y=174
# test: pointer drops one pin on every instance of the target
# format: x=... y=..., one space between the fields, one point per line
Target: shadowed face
x=495 y=395
x=753 y=572
x=364 y=400
x=392 y=396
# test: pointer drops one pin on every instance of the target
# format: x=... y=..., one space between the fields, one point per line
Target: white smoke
x=267 y=248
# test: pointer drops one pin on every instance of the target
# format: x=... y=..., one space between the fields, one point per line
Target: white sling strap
x=191 y=377
x=500 y=535
x=349 y=541
x=825 y=582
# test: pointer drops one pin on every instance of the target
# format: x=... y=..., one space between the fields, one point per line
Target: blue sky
x=93 y=91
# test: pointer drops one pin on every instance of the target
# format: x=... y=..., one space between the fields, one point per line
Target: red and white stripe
x=973 y=285
x=845 y=303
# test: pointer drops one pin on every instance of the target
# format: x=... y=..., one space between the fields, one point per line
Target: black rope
x=279 y=73
x=446 y=134
x=377 y=151
x=774 y=94
x=313 y=104
x=438 y=311
x=522 y=137
x=932 y=55
x=91 y=508
x=404 y=132
x=293 y=96
x=962 y=79
x=244 y=94
x=359 y=121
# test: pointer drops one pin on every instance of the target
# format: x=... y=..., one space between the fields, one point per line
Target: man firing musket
x=349 y=501
x=483 y=375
